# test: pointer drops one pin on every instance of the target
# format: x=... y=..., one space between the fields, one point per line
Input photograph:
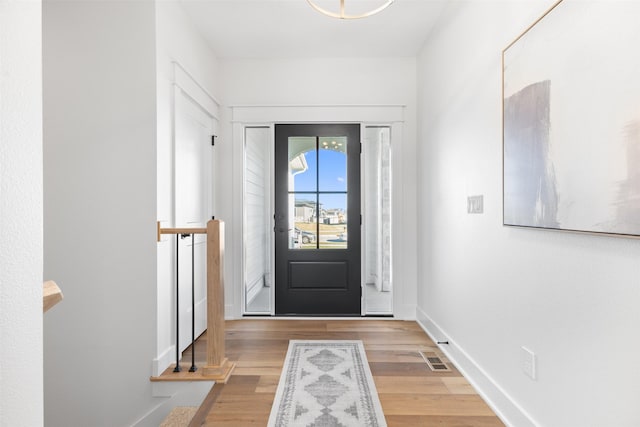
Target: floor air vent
x=434 y=362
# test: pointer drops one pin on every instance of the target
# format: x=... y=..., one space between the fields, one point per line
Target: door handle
x=279 y=218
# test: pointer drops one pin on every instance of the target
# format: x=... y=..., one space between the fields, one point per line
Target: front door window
x=318 y=192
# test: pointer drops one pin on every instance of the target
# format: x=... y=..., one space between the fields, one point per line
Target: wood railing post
x=51 y=295
x=218 y=366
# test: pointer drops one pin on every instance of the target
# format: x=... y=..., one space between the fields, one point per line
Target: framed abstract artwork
x=571 y=120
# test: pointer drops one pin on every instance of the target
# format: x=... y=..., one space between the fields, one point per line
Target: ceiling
x=292 y=29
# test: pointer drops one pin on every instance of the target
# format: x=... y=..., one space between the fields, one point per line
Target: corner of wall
x=502 y=404
x=232 y=312
x=404 y=311
x=172 y=394
x=163 y=361
x=21 y=214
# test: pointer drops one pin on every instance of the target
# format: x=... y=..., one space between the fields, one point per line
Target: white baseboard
x=230 y=312
x=170 y=394
x=163 y=361
x=500 y=402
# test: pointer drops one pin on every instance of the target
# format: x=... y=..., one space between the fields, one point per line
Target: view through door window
x=318 y=193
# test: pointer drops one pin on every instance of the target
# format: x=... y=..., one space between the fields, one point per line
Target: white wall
x=176 y=42
x=323 y=82
x=489 y=289
x=100 y=210
x=21 y=386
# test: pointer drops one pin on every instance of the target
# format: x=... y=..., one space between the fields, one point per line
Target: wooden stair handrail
x=180 y=230
x=51 y=295
x=218 y=367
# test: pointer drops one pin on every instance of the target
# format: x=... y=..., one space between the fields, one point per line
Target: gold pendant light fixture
x=342 y=14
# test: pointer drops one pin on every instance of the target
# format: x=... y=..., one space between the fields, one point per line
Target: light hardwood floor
x=410 y=393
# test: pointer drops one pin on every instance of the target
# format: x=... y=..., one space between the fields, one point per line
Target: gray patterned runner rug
x=326 y=384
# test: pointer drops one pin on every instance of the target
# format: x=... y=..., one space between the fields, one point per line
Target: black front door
x=317 y=219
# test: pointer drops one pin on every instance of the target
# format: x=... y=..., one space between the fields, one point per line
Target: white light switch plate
x=475 y=204
x=528 y=362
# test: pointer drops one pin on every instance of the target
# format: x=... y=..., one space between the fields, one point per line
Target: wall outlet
x=528 y=362
x=475 y=204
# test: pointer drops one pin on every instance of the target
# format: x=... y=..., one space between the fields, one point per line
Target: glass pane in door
x=333 y=221
x=332 y=164
x=304 y=233
x=303 y=164
x=317 y=208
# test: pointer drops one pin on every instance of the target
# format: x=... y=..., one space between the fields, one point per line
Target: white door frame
x=367 y=115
